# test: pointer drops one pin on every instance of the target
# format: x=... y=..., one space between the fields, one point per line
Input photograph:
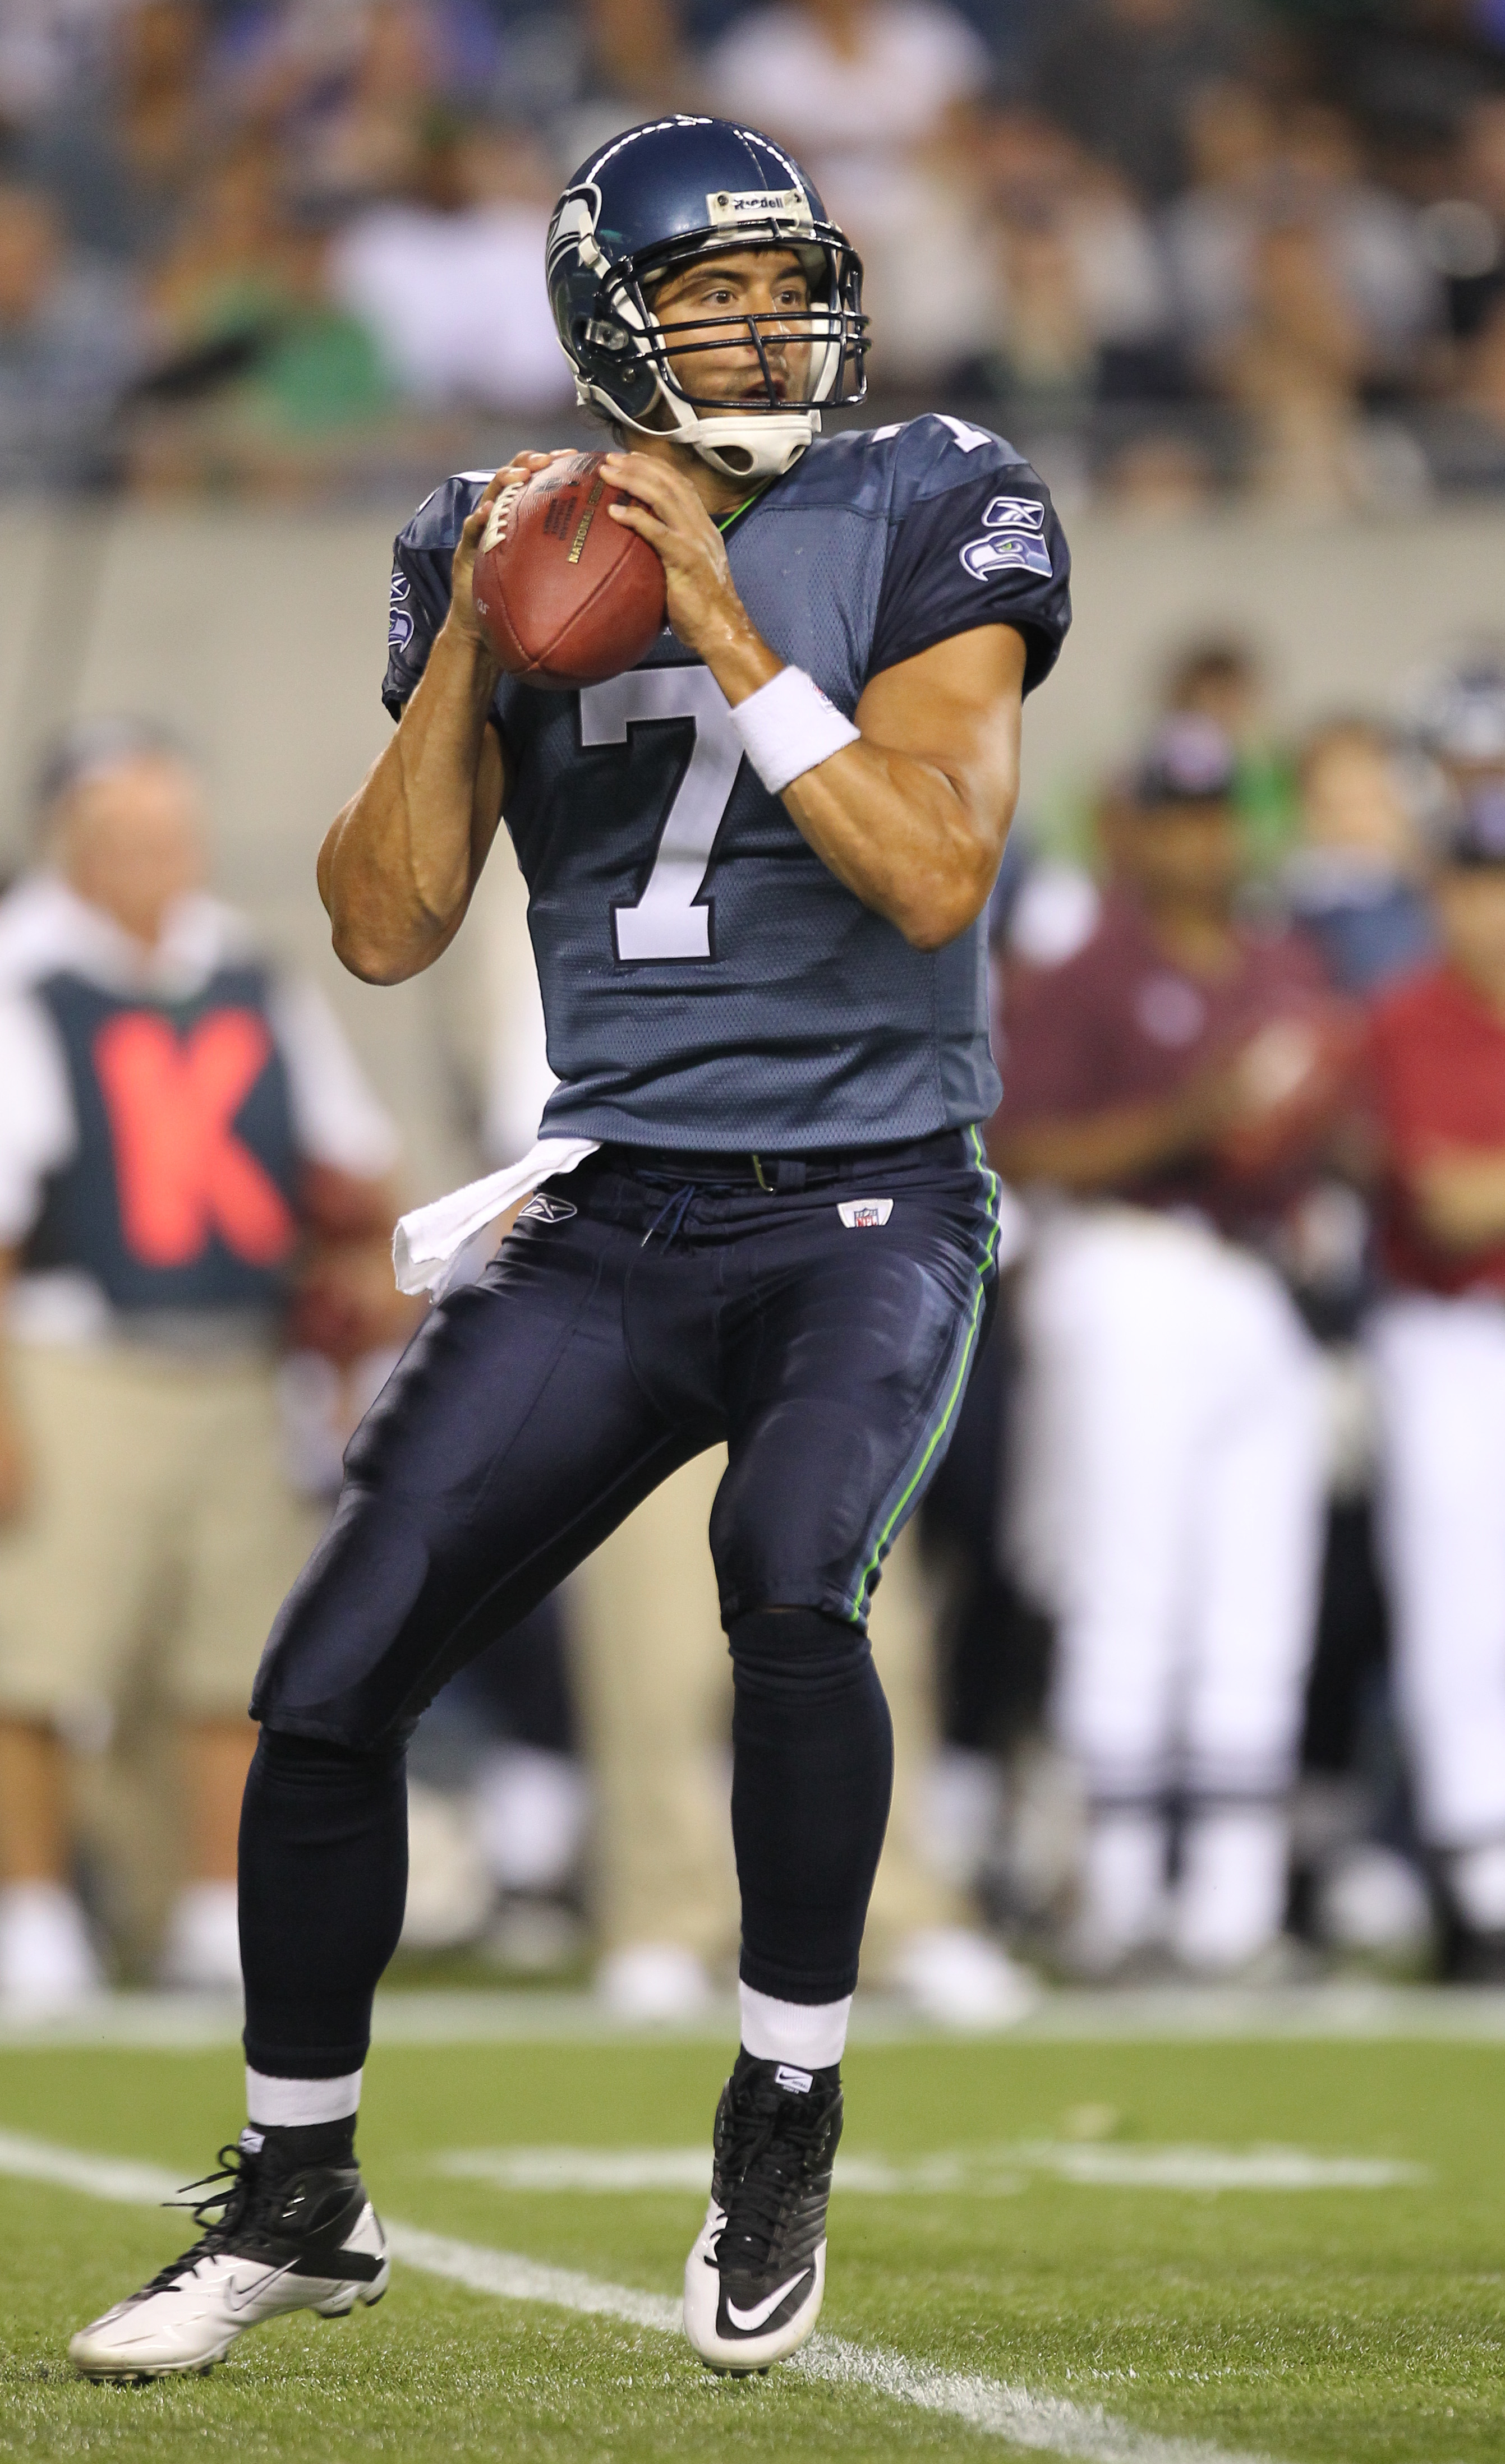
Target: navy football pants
x=674 y=1307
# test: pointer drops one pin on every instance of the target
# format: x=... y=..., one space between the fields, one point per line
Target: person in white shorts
x=177 y=1119
x=1167 y=1090
x=1438 y=1345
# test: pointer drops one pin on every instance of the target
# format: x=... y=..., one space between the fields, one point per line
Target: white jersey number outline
x=666 y=922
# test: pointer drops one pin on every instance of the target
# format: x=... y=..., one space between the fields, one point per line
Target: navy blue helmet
x=657 y=198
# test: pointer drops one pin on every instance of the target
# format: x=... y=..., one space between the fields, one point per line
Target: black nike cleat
x=755 y=2278
x=302 y=2237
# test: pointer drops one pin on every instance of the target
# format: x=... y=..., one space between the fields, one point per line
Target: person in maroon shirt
x=1437 y=1051
x=1169 y=1091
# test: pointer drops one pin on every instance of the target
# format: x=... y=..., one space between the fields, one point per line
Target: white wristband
x=787 y=726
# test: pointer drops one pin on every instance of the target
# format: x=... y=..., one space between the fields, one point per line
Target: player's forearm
x=397 y=868
x=910 y=842
x=1460 y=1199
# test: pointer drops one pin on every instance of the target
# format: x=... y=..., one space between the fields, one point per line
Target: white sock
x=1123 y=1903
x=811 y=2036
x=297 y=2104
x=46 y=1957
x=1231 y=1894
x=1478 y=1885
x=202 y=1944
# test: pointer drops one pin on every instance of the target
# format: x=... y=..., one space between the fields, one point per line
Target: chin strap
x=764 y=443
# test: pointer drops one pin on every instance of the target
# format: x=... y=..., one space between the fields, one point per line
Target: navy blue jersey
x=706 y=981
x=182 y=1190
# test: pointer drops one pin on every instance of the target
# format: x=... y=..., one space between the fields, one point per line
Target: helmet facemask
x=624 y=357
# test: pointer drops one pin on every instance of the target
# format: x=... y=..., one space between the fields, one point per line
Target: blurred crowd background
x=1197 y=1650
x=1177 y=248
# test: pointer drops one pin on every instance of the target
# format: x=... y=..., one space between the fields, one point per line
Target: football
x=566 y=596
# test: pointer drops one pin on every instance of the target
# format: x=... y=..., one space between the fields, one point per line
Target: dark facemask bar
x=820 y=328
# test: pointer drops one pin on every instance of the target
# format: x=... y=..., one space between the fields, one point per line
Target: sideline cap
x=1475 y=837
x=1190 y=761
x=1460 y=710
x=92 y=746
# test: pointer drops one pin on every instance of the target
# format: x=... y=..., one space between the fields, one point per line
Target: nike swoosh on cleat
x=240 y=2298
x=762 y=2310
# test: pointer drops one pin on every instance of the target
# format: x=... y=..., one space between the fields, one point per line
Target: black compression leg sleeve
x=323 y=1881
x=811 y=1776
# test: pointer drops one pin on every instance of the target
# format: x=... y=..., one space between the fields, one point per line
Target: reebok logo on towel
x=864 y=1214
x=794 y=2082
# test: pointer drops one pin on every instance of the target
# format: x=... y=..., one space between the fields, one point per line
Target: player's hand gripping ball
x=564 y=595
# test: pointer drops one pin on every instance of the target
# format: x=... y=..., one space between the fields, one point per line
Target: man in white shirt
x=178 y=1122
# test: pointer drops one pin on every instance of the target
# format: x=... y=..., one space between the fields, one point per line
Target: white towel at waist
x=448 y=1241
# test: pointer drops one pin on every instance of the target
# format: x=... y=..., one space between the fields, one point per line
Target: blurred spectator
x=1081 y=303
x=1159 y=475
x=236 y=239
x=354 y=91
x=850 y=85
x=1465 y=435
x=1258 y=179
x=1439 y=1351
x=48 y=49
x=1457 y=716
x=70 y=342
x=1295 y=371
x=296 y=396
x=1355 y=881
x=454 y=290
x=1125 y=74
x=1173 y=1086
x=1464 y=230
x=1222 y=678
x=860 y=90
x=177 y=1121
x=120 y=152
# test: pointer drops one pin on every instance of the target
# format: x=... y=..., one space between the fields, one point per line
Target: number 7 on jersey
x=666 y=922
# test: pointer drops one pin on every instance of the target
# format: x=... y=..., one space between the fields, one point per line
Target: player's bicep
x=957 y=707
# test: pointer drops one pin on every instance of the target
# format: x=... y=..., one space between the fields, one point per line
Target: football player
x=757 y=866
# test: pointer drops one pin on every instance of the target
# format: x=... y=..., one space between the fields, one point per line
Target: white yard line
x=1044 y=2424
x=968 y=2172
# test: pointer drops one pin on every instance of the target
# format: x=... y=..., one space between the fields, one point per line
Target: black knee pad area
x=801 y=1653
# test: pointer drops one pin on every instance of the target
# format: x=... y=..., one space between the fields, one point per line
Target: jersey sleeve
x=976 y=543
x=420 y=588
x=36 y=1116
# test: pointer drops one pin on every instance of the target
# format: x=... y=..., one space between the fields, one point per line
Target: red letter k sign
x=181 y=1171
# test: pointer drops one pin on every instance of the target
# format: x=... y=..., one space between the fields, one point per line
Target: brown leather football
x=566 y=596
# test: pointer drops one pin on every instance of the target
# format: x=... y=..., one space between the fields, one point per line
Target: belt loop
x=757 y=1165
x=789 y=1172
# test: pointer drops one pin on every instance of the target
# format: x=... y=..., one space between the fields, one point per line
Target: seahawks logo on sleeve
x=1013 y=541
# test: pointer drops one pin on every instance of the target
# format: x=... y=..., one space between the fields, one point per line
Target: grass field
x=1017 y=2212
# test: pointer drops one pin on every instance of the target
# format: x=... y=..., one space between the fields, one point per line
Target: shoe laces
x=239 y=2172
x=768 y=2157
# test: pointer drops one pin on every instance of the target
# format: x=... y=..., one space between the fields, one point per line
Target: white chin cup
x=752 y=445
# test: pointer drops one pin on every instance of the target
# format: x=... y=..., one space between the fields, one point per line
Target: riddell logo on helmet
x=760 y=206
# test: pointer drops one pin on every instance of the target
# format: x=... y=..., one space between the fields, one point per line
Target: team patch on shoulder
x=544 y=1209
x=399 y=629
x=1004 y=551
x=1014 y=514
x=400 y=586
x=864 y=1214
